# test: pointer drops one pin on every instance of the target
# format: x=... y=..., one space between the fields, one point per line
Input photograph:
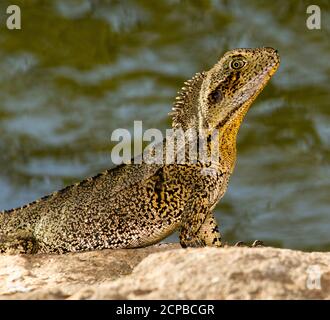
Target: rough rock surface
x=168 y=272
x=44 y=276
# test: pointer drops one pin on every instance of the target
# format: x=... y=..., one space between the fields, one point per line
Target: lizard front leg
x=198 y=226
x=209 y=232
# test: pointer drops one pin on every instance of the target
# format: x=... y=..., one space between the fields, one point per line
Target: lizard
x=139 y=204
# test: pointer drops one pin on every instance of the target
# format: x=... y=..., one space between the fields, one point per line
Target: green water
x=77 y=70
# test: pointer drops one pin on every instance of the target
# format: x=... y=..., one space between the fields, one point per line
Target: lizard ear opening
x=215 y=96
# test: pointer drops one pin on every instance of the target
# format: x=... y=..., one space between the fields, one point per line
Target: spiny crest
x=55 y=193
x=186 y=101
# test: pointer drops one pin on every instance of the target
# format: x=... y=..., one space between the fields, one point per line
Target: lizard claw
x=240 y=244
x=257 y=243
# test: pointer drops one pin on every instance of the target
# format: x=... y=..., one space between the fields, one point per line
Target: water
x=80 y=69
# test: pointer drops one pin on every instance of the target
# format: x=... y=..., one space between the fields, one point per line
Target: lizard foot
x=256 y=243
x=192 y=243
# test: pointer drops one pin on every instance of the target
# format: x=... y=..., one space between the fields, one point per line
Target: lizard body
x=135 y=205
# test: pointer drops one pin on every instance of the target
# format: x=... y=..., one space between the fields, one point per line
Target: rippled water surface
x=80 y=69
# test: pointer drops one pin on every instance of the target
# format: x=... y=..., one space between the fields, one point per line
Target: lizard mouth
x=254 y=87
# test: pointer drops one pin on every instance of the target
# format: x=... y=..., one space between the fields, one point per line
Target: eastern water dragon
x=136 y=205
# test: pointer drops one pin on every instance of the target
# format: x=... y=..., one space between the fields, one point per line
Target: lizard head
x=212 y=99
x=230 y=87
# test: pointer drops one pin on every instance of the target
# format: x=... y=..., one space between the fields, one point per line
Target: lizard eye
x=215 y=96
x=237 y=64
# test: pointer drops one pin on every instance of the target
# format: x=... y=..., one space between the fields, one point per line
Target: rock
x=44 y=276
x=168 y=272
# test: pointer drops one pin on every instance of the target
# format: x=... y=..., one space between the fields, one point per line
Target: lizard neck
x=227 y=140
x=186 y=109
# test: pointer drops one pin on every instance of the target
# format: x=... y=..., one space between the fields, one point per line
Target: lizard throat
x=253 y=90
